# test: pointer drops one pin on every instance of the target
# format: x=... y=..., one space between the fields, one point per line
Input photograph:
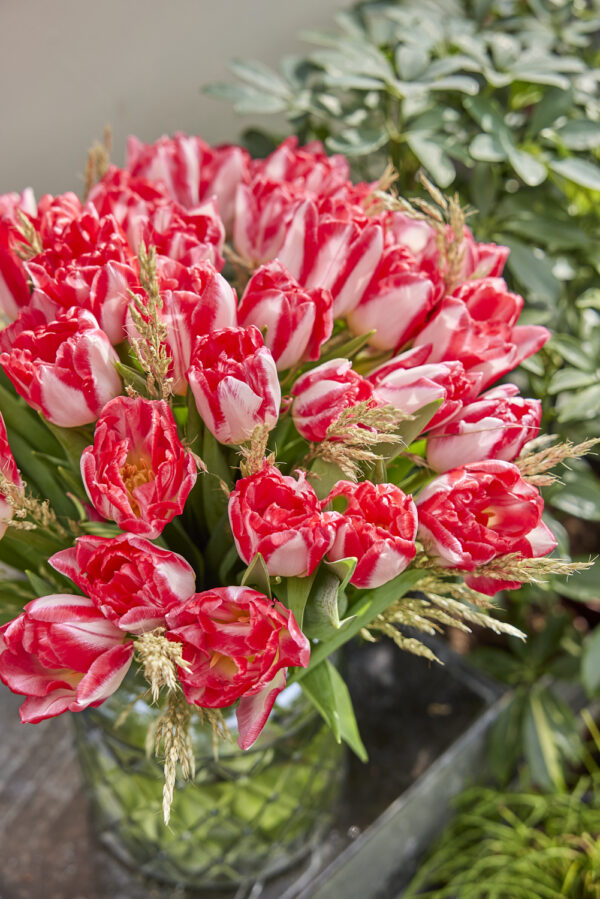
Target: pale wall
x=67 y=67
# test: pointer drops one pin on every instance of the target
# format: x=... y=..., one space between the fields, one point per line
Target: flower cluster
x=207 y=336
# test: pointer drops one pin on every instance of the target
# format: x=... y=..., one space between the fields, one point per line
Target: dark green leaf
x=131 y=377
x=297 y=591
x=257 y=576
x=322 y=612
x=532 y=271
x=365 y=607
x=327 y=691
x=410 y=430
x=323 y=476
x=505 y=739
x=73 y=442
x=551 y=738
x=39 y=586
x=553 y=104
x=590 y=663
x=214 y=498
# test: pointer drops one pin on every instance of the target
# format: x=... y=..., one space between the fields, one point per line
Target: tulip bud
x=138 y=473
x=378 y=527
x=495 y=426
x=64 y=369
x=472 y=514
x=235 y=384
x=297 y=321
x=322 y=394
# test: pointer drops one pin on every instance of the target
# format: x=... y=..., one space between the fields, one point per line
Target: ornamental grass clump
x=223 y=471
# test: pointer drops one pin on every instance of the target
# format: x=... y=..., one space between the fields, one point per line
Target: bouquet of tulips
x=250 y=411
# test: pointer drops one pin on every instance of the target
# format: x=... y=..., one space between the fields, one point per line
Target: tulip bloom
x=397 y=301
x=264 y=211
x=133 y=582
x=306 y=168
x=378 y=527
x=480 y=332
x=339 y=254
x=195 y=301
x=280 y=518
x=473 y=514
x=64 y=369
x=322 y=394
x=63 y=655
x=237 y=645
x=409 y=389
x=235 y=384
x=138 y=473
x=92 y=265
x=297 y=321
x=495 y=426
x=190 y=170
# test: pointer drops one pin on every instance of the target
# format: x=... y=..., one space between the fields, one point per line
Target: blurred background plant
x=497 y=99
x=521 y=843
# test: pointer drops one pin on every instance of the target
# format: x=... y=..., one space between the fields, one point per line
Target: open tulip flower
x=243 y=418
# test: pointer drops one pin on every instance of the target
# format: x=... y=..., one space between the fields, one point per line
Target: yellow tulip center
x=134 y=475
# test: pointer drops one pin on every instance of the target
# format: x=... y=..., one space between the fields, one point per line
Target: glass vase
x=246 y=816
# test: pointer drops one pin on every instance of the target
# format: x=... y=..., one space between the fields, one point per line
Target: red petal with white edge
x=105 y=675
x=38 y=708
x=253 y=711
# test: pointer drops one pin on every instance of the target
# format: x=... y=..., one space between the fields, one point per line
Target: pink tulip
x=475 y=513
x=133 y=582
x=190 y=170
x=495 y=426
x=64 y=369
x=280 y=517
x=90 y=265
x=235 y=384
x=63 y=655
x=396 y=302
x=306 y=168
x=264 y=212
x=378 y=527
x=298 y=321
x=138 y=473
x=488 y=347
x=411 y=388
x=322 y=394
x=237 y=645
x=195 y=301
x=149 y=215
x=339 y=254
